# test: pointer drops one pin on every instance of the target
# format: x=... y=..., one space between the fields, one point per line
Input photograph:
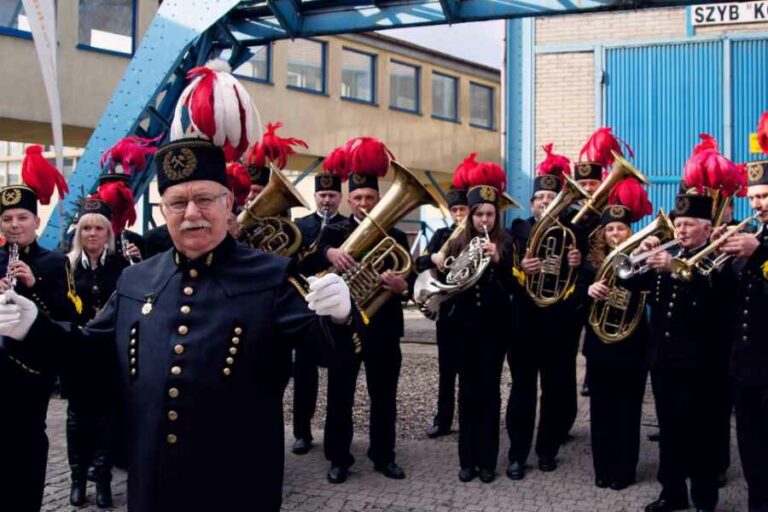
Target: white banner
x=729 y=13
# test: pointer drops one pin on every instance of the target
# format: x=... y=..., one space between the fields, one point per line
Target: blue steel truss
x=187 y=33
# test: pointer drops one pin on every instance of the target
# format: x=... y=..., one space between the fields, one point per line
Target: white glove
x=329 y=296
x=17 y=314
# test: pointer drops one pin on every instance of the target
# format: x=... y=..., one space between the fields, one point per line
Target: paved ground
x=431 y=465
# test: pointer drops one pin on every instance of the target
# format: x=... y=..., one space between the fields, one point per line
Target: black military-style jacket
x=749 y=346
x=203 y=350
x=440 y=236
x=95 y=285
x=310 y=225
x=156 y=240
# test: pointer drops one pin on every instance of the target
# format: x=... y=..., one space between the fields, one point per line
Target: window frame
x=491 y=101
x=416 y=68
x=89 y=48
x=374 y=63
x=457 y=118
x=268 y=80
x=15 y=32
x=323 y=70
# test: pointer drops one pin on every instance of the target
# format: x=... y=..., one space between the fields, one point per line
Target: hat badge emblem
x=179 y=165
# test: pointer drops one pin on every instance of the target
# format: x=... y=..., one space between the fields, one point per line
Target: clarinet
x=124 y=246
x=13 y=257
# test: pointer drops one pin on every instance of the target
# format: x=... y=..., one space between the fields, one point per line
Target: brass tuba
x=611 y=319
x=593 y=207
x=260 y=225
x=375 y=251
x=549 y=240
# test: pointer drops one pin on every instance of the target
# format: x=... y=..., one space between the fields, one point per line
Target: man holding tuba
x=310 y=262
x=367 y=159
x=447 y=343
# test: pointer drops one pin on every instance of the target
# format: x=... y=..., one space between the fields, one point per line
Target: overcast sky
x=481 y=42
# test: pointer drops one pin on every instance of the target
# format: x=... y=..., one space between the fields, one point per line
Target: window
x=257 y=67
x=13 y=20
x=106 y=25
x=404 y=87
x=358 y=73
x=306 y=65
x=444 y=97
x=481 y=106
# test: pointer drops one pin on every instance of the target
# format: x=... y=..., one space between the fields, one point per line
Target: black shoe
x=467 y=474
x=77 y=492
x=391 y=470
x=487 y=475
x=654 y=438
x=585 y=390
x=301 y=446
x=547 y=464
x=722 y=480
x=516 y=471
x=92 y=474
x=662 y=505
x=602 y=482
x=437 y=431
x=103 y=494
x=618 y=485
x=338 y=474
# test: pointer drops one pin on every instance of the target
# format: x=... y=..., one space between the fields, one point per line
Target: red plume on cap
x=239 y=182
x=218 y=108
x=277 y=149
x=707 y=169
x=488 y=173
x=461 y=173
x=631 y=193
x=130 y=153
x=599 y=146
x=368 y=155
x=762 y=132
x=553 y=163
x=337 y=162
x=119 y=197
x=39 y=175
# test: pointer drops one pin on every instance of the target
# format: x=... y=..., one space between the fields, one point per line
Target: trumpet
x=626 y=266
x=13 y=257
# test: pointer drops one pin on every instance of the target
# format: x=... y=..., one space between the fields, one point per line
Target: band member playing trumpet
x=367 y=160
x=447 y=341
x=749 y=350
x=477 y=314
x=617 y=370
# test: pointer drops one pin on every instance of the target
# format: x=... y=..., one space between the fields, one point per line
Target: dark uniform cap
x=587 y=171
x=456 y=197
x=757 y=173
x=94 y=205
x=18 y=196
x=189 y=160
x=483 y=194
x=326 y=181
x=692 y=205
x=547 y=182
x=363 y=181
x=114 y=176
x=616 y=213
x=259 y=175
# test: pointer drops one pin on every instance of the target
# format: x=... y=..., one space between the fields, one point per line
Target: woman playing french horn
x=617 y=370
x=478 y=314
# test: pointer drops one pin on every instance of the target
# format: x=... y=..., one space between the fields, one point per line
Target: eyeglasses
x=202 y=202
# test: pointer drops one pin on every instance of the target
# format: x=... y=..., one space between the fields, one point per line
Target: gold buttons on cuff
x=188 y=290
x=172 y=439
x=183 y=329
x=226 y=371
x=173 y=415
x=193 y=273
x=178 y=349
x=173 y=392
x=176 y=370
x=185 y=309
x=238 y=330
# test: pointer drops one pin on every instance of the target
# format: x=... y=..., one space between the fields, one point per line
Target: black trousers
x=688 y=434
x=480 y=402
x=89 y=441
x=382 y=358
x=23 y=442
x=752 y=433
x=448 y=370
x=724 y=399
x=615 y=406
x=305 y=377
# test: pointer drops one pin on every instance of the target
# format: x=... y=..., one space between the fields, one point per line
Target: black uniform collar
x=85 y=260
x=28 y=250
x=220 y=253
x=330 y=217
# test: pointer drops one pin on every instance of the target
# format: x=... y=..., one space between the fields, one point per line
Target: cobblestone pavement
x=431 y=465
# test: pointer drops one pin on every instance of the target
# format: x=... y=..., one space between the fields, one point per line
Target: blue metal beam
x=287 y=14
x=450 y=9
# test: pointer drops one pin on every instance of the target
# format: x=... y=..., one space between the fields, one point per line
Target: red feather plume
x=553 y=163
x=273 y=147
x=488 y=173
x=239 y=182
x=119 y=198
x=131 y=153
x=461 y=173
x=39 y=175
x=708 y=169
x=337 y=162
x=368 y=155
x=600 y=145
x=762 y=132
x=631 y=193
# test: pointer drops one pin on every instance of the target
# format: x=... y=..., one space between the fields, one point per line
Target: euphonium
x=593 y=207
x=380 y=252
x=612 y=319
x=260 y=225
x=550 y=241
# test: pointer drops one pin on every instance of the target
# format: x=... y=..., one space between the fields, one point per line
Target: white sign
x=730 y=13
